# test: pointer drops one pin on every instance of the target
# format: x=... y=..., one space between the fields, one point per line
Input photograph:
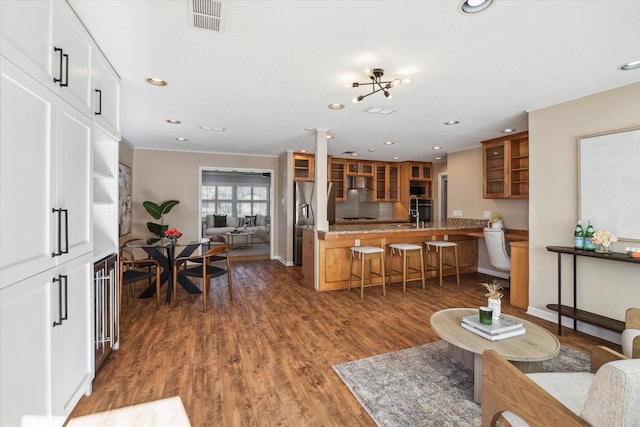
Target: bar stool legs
x=405 y=250
x=439 y=247
x=367 y=253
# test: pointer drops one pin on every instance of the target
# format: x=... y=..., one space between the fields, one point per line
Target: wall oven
x=425 y=210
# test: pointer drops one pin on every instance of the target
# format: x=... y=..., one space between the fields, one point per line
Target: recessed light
x=395 y=158
x=507 y=130
x=336 y=106
x=156 y=82
x=302 y=151
x=451 y=122
x=389 y=143
x=438 y=158
x=436 y=148
x=372 y=150
x=329 y=136
x=174 y=121
x=630 y=66
x=181 y=139
x=354 y=154
x=474 y=6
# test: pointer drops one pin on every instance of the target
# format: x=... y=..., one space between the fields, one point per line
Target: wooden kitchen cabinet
x=505 y=167
x=421 y=171
x=303 y=167
x=360 y=168
x=386 y=182
x=338 y=176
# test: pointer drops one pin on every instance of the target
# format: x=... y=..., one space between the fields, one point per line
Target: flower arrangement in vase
x=603 y=239
x=495 y=221
x=494 y=294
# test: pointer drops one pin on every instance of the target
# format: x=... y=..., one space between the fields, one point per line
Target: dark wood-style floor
x=265 y=358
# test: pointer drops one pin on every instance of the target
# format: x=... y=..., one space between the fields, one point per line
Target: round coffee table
x=526 y=352
x=248 y=238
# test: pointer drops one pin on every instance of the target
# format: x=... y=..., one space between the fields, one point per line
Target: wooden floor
x=265 y=358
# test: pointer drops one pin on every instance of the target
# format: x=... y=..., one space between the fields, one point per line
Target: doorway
x=443 y=197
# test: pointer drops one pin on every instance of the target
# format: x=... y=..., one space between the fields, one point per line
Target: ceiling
x=268 y=77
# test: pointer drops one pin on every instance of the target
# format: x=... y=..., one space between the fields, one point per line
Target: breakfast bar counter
x=334 y=246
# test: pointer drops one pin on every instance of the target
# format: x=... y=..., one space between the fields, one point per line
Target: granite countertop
x=342 y=228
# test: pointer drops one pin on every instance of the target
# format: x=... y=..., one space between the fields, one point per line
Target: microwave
x=417 y=190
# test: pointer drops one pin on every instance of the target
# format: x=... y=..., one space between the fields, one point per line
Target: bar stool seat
x=367 y=253
x=405 y=250
x=440 y=246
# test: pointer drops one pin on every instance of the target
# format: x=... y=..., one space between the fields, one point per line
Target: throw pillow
x=250 y=220
x=220 y=221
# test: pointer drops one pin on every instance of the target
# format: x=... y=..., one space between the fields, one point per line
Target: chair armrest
x=601 y=355
x=632 y=318
x=506 y=388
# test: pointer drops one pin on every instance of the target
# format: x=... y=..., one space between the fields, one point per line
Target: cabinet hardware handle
x=59 y=280
x=99 y=112
x=66 y=70
x=59 y=78
x=66 y=231
x=66 y=297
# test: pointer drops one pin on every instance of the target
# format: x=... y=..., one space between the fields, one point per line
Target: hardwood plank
x=264 y=358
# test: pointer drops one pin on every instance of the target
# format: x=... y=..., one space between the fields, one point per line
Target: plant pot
x=495 y=306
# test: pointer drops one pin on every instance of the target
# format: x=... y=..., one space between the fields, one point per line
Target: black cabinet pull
x=66 y=232
x=66 y=297
x=59 y=281
x=58 y=79
x=99 y=112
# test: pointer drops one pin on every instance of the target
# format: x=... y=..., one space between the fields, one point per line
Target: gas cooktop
x=358 y=217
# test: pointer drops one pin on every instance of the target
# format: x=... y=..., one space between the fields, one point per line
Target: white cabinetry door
x=25 y=36
x=71 y=320
x=71 y=64
x=74 y=169
x=106 y=94
x=26 y=168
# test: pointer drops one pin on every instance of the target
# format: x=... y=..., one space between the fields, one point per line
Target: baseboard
x=489 y=272
x=586 y=328
x=283 y=261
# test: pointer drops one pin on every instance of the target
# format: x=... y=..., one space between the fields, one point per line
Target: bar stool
x=440 y=246
x=404 y=250
x=367 y=253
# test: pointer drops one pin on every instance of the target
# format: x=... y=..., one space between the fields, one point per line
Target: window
x=217 y=200
x=235 y=200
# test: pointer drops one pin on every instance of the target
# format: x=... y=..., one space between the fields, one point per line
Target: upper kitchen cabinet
x=106 y=94
x=47 y=40
x=303 y=167
x=420 y=171
x=360 y=168
x=338 y=176
x=505 y=167
x=386 y=182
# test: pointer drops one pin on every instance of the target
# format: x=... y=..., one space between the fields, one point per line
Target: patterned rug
x=423 y=386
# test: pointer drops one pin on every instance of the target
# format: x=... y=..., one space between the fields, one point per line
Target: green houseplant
x=158 y=212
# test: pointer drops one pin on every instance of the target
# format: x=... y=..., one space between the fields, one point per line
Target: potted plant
x=494 y=295
x=495 y=221
x=158 y=212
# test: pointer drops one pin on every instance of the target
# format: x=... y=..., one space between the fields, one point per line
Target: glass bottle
x=578 y=237
x=588 y=234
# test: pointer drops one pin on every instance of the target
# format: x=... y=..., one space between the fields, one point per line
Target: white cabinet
x=105 y=194
x=45 y=178
x=106 y=94
x=47 y=40
x=45 y=357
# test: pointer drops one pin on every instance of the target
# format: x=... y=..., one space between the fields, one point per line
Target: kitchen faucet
x=415 y=211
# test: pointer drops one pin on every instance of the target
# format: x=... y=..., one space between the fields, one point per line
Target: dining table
x=164 y=250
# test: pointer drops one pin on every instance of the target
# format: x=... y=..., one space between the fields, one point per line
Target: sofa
x=216 y=225
x=607 y=396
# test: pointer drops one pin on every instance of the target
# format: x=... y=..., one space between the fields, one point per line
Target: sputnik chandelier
x=377 y=84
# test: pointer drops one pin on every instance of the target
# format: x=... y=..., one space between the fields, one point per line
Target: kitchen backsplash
x=357 y=206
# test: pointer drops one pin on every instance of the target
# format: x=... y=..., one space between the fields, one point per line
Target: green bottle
x=578 y=237
x=588 y=234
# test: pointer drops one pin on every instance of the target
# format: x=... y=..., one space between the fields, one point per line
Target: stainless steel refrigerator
x=302 y=202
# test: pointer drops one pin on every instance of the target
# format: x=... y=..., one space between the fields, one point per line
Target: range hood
x=358 y=183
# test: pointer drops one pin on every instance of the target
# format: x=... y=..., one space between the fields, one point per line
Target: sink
x=405 y=225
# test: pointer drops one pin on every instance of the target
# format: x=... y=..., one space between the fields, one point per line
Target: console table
x=574 y=312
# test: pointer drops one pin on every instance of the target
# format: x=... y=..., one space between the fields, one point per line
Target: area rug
x=423 y=386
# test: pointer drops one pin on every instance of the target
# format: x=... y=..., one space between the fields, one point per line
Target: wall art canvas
x=125 y=199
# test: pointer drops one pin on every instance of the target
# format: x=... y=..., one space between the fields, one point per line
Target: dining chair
x=134 y=270
x=205 y=271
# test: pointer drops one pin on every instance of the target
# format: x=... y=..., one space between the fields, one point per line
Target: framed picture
x=125 y=199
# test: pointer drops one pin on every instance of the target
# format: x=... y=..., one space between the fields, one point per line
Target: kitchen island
x=334 y=246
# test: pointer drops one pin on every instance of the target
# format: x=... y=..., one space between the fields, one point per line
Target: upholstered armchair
x=606 y=396
x=631 y=333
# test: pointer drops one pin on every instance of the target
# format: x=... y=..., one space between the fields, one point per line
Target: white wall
x=607 y=288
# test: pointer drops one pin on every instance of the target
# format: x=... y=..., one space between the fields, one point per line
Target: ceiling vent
x=380 y=110
x=207 y=14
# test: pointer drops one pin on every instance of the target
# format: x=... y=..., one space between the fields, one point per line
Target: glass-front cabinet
x=505 y=167
x=337 y=175
x=386 y=182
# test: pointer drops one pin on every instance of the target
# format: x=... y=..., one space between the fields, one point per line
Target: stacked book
x=498 y=330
